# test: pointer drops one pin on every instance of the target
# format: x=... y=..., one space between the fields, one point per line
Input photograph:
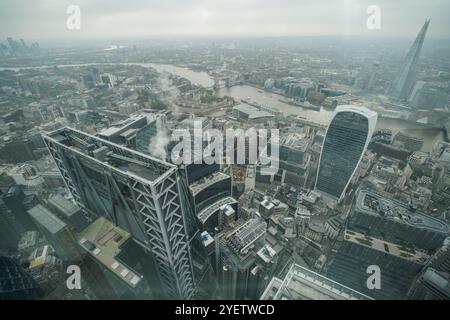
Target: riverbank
x=321 y=117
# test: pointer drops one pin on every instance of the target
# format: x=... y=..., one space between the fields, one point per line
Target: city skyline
x=135 y=143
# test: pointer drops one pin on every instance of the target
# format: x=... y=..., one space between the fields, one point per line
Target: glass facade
x=349 y=267
x=345 y=142
x=16 y=283
x=144 y=136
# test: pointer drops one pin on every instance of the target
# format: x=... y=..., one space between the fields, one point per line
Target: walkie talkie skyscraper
x=346 y=140
x=138 y=193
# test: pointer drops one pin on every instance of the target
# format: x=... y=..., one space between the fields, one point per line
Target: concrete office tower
x=210 y=194
x=345 y=142
x=140 y=194
x=245 y=261
x=10 y=228
x=406 y=78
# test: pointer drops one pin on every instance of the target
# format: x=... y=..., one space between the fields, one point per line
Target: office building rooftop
x=252 y=112
x=46 y=219
x=28 y=240
x=63 y=205
x=190 y=123
x=303 y=284
x=266 y=253
x=242 y=238
x=204 y=215
x=207 y=181
x=206 y=238
x=296 y=140
x=386 y=247
x=374 y=204
x=126 y=161
x=124 y=125
x=103 y=242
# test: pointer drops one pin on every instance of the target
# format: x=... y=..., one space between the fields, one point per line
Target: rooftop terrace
x=303 y=284
x=374 y=204
x=386 y=247
x=296 y=140
x=103 y=242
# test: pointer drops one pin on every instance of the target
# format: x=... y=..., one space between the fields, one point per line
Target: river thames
x=430 y=135
x=322 y=116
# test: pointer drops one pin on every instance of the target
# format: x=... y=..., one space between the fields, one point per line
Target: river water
x=197 y=78
x=430 y=135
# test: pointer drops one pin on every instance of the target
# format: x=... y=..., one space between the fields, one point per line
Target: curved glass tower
x=345 y=142
x=16 y=283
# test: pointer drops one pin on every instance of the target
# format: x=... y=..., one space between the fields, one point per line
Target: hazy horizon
x=140 y=19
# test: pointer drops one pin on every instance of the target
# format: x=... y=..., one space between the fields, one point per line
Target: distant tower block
x=345 y=142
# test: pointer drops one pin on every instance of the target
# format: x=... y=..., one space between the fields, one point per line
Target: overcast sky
x=46 y=19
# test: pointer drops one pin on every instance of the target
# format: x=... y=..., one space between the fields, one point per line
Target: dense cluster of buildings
x=87 y=178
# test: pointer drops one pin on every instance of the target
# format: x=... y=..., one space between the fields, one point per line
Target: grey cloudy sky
x=42 y=19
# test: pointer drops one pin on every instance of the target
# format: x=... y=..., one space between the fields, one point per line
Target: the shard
x=405 y=80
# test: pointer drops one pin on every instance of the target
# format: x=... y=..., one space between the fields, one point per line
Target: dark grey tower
x=16 y=283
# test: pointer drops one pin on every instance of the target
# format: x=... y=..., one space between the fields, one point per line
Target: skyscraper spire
x=404 y=82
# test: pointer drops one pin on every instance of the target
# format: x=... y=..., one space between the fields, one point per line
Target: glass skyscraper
x=145 y=135
x=345 y=142
x=403 y=84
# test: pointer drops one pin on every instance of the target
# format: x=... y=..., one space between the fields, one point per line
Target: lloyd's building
x=346 y=140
